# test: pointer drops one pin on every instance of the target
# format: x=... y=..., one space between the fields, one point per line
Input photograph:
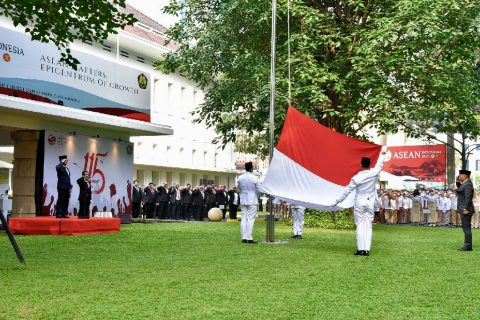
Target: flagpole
x=270 y=217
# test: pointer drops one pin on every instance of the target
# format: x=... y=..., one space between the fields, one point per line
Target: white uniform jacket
x=249 y=187
x=364 y=183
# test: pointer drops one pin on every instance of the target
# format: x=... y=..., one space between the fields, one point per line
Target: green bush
x=327 y=219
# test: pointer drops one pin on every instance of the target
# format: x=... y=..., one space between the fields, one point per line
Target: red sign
x=424 y=163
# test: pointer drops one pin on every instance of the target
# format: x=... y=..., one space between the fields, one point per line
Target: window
x=141 y=177
x=124 y=53
x=194 y=153
x=168 y=153
x=107 y=47
x=205 y=158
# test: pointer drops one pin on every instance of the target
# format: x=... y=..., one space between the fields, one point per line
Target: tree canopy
x=356 y=64
x=64 y=21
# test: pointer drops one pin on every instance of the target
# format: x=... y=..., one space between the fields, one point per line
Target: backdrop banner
x=109 y=162
x=33 y=70
x=426 y=163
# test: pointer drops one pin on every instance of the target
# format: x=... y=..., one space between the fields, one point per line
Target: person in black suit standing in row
x=175 y=202
x=199 y=203
x=85 y=195
x=186 y=195
x=137 y=195
x=64 y=187
x=211 y=198
x=163 y=197
x=465 y=207
x=150 y=200
x=233 y=202
x=222 y=197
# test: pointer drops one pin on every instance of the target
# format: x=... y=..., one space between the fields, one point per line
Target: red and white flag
x=312 y=164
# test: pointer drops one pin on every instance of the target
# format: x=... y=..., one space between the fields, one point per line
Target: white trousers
x=363 y=216
x=249 y=214
x=298 y=220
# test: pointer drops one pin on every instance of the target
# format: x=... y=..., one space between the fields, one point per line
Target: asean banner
x=422 y=163
x=109 y=162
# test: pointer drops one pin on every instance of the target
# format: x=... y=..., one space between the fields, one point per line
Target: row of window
x=182 y=179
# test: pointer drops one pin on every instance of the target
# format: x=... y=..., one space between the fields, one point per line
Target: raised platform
x=69 y=227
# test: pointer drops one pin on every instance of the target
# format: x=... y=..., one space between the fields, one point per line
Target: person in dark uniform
x=211 y=198
x=465 y=207
x=137 y=196
x=222 y=200
x=199 y=203
x=162 y=209
x=233 y=202
x=85 y=195
x=186 y=196
x=150 y=200
x=64 y=187
x=175 y=201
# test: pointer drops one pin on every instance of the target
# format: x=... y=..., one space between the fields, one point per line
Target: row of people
x=183 y=203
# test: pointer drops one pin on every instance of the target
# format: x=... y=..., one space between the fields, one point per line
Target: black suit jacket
x=231 y=197
x=222 y=197
x=162 y=194
x=210 y=195
x=85 y=190
x=137 y=194
x=198 y=200
x=186 y=196
x=63 y=176
x=173 y=195
x=465 y=197
x=150 y=196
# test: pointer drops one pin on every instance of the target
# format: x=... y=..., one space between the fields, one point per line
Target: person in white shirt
x=363 y=183
x=454 y=217
x=298 y=214
x=249 y=189
x=445 y=207
x=407 y=205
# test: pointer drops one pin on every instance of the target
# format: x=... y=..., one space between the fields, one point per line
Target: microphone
x=77 y=165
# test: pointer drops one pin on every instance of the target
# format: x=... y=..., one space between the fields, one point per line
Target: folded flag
x=312 y=164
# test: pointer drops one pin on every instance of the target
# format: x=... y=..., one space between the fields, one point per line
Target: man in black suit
x=137 y=195
x=85 y=195
x=186 y=202
x=64 y=187
x=199 y=203
x=150 y=200
x=233 y=202
x=465 y=207
x=211 y=198
x=222 y=200
x=163 y=197
x=175 y=201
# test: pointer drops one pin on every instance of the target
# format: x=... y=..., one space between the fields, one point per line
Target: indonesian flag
x=312 y=164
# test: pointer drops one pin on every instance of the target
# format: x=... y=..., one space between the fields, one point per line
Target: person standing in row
x=150 y=201
x=64 y=187
x=162 y=209
x=85 y=195
x=222 y=200
x=465 y=207
x=199 y=203
x=186 y=199
x=363 y=183
x=175 y=201
x=249 y=188
x=233 y=202
x=137 y=195
x=298 y=214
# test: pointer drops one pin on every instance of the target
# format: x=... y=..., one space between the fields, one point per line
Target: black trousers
x=467 y=229
x=84 y=210
x=136 y=209
x=177 y=210
x=232 y=208
x=162 y=212
x=62 y=202
x=149 y=210
x=198 y=213
x=187 y=211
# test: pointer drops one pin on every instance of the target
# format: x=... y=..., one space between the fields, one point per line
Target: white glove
x=334 y=204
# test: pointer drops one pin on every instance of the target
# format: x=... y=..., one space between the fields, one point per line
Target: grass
x=202 y=271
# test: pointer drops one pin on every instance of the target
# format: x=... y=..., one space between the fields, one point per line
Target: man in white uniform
x=298 y=214
x=249 y=189
x=363 y=183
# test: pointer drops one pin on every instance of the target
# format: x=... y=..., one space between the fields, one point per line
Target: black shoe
x=251 y=241
x=465 y=249
x=244 y=241
x=358 y=253
x=295 y=236
x=299 y=237
x=366 y=253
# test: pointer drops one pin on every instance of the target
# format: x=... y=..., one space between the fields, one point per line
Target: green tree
x=64 y=21
x=355 y=64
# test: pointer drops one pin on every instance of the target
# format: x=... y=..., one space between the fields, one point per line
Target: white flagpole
x=270 y=216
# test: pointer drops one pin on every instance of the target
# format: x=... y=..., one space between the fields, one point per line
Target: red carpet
x=71 y=226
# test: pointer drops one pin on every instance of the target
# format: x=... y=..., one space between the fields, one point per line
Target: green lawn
x=202 y=271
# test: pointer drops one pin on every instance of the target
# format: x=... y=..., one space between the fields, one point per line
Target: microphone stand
x=12 y=239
